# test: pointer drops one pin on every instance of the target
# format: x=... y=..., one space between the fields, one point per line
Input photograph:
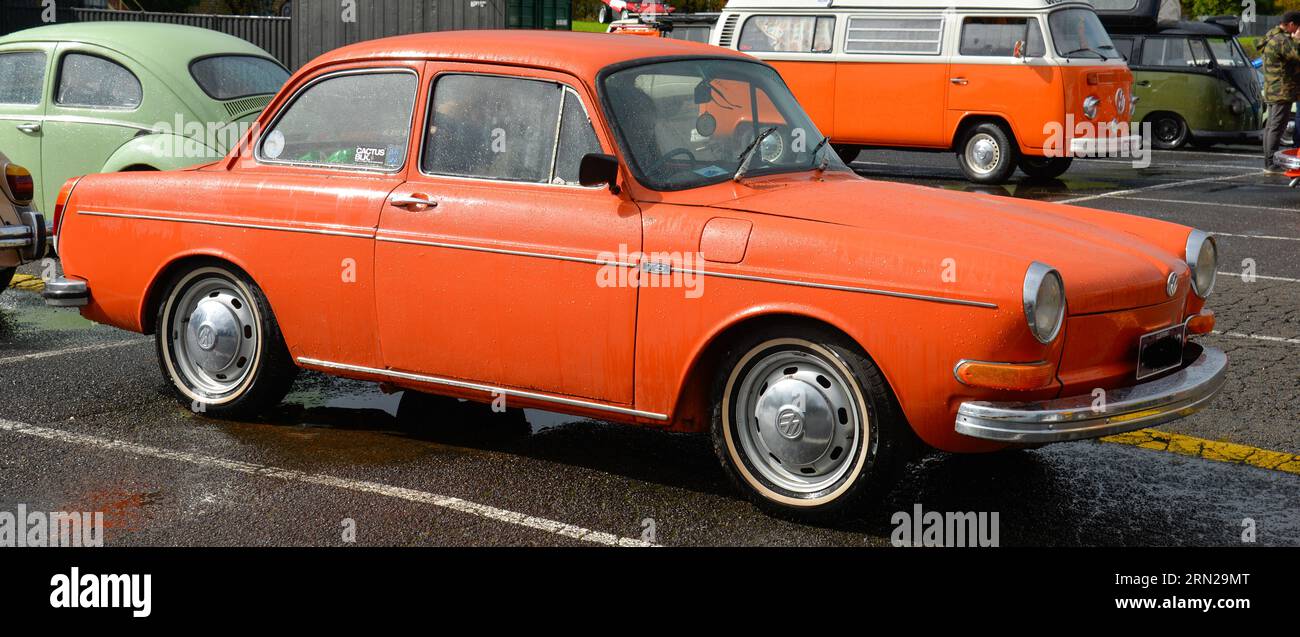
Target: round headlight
x=1044 y=296
x=1202 y=255
x=1090 y=107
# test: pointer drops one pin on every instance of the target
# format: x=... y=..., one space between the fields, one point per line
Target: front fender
x=160 y=151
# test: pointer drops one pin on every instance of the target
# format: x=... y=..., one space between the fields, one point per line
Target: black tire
x=873 y=460
x=6 y=275
x=1044 y=168
x=848 y=153
x=1001 y=159
x=267 y=372
x=1168 y=131
x=604 y=16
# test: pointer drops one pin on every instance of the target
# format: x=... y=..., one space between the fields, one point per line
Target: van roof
x=938 y=5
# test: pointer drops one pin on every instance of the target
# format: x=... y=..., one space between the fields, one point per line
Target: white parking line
x=1259 y=276
x=361 y=486
x=1175 y=166
x=74 y=350
x=1210 y=203
x=1259 y=337
x=1174 y=184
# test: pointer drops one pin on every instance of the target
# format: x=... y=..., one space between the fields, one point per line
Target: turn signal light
x=19 y=184
x=62 y=202
x=1004 y=375
x=1202 y=323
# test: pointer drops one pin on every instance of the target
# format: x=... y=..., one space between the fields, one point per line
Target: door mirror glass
x=597 y=169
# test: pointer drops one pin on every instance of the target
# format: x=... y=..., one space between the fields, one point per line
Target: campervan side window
x=894 y=35
x=997 y=37
x=787 y=34
x=1175 y=52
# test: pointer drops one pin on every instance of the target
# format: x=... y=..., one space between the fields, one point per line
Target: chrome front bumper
x=1287 y=159
x=1180 y=394
x=29 y=238
x=1117 y=146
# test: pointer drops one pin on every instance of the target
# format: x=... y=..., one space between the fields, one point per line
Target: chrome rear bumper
x=63 y=292
x=1078 y=417
x=30 y=237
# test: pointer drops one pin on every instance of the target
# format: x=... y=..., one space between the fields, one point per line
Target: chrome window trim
x=324 y=77
x=433 y=85
x=341 y=231
x=74 y=119
x=505 y=251
x=1034 y=277
x=491 y=389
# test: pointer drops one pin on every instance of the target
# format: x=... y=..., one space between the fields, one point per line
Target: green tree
x=1197 y=8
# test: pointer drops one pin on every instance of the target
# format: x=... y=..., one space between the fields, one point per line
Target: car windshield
x=1227 y=53
x=1079 y=33
x=690 y=123
x=229 y=77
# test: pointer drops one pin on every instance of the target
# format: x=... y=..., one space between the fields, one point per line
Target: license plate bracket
x=1160 y=351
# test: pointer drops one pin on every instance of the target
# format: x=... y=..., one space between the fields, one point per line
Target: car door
x=509 y=275
x=891 y=81
x=24 y=73
x=987 y=76
x=91 y=113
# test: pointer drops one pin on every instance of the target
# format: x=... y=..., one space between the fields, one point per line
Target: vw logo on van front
x=1171 y=284
x=1121 y=102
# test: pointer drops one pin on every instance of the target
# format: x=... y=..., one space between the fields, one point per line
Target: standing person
x=1281 y=81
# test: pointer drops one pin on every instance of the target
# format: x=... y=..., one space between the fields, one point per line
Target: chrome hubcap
x=797 y=421
x=983 y=153
x=214 y=336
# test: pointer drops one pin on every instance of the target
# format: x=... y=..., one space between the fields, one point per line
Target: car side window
x=1175 y=52
x=997 y=37
x=1124 y=46
x=350 y=120
x=506 y=128
x=787 y=34
x=91 y=81
x=22 y=75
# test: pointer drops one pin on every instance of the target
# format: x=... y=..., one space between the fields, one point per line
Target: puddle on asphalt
x=25 y=313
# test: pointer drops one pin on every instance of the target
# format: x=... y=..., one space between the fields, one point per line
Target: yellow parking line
x=1209 y=449
x=27 y=283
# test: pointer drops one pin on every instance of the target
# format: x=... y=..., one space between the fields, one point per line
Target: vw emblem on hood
x=1171 y=285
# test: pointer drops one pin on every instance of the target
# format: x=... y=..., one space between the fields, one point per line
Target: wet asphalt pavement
x=88 y=424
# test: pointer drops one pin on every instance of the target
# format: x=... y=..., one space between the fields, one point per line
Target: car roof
x=151 y=44
x=580 y=54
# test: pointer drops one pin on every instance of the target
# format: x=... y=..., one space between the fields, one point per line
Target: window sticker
x=369 y=156
x=709 y=172
x=273 y=147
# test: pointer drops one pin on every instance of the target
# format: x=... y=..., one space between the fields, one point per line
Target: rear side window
x=506 y=128
x=1124 y=46
x=1175 y=52
x=997 y=37
x=787 y=34
x=91 y=81
x=21 y=77
x=230 y=77
x=894 y=35
x=352 y=120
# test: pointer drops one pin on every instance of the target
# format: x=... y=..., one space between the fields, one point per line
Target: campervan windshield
x=1079 y=33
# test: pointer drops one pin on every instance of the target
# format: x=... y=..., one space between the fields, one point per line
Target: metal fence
x=321 y=26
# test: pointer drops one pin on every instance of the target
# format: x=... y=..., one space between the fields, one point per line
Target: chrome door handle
x=30 y=127
x=960 y=81
x=412 y=202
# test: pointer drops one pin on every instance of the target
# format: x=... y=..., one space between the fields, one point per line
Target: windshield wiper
x=825 y=159
x=1087 y=49
x=748 y=153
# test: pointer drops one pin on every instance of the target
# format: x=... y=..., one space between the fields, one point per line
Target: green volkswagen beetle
x=93 y=97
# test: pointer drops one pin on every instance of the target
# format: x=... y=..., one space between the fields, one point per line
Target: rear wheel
x=219 y=345
x=1044 y=168
x=848 y=153
x=987 y=154
x=1168 y=131
x=803 y=422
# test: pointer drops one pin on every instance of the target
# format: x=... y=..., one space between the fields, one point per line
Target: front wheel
x=1045 y=168
x=803 y=422
x=987 y=154
x=1168 y=131
x=219 y=345
x=6 y=275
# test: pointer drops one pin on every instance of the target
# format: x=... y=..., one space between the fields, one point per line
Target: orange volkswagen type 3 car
x=596 y=225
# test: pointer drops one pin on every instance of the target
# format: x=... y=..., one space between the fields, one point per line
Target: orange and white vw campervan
x=1003 y=83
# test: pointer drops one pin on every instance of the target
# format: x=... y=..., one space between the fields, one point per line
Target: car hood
x=1105 y=266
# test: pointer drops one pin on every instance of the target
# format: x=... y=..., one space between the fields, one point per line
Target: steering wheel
x=653 y=169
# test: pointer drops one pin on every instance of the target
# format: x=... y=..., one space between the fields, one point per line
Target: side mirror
x=597 y=169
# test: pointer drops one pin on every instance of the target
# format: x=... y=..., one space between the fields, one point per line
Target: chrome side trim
x=352 y=232
x=73 y=119
x=664 y=269
x=515 y=253
x=460 y=384
x=1180 y=394
x=841 y=288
